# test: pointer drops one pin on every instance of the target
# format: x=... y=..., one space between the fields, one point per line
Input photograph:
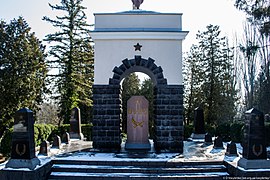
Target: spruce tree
x=72 y=54
x=22 y=70
x=211 y=78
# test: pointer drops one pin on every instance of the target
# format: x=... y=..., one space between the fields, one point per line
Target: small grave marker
x=66 y=138
x=75 y=124
x=56 y=142
x=44 y=148
x=208 y=139
x=231 y=149
x=218 y=144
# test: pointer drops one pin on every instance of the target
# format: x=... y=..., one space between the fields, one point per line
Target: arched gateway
x=151 y=43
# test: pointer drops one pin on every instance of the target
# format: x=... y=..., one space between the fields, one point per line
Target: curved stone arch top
x=138 y=64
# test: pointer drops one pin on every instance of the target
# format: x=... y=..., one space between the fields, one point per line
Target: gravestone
x=231 y=149
x=44 y=148
x=208 y=139
x=66 y=138
x=254 y=147
x=75 y=124
x=56 y=142
x=199 y=130
x=218 y=144
x=137 y=123
x=23 y=144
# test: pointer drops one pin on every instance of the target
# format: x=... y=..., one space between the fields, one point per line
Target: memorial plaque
x=75 y=124
x=23 y=144
x=137 y=123
x=254 y=135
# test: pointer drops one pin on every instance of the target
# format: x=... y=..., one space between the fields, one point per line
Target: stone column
x=137 y=123
x=23 y=144
x=75 y=124
x=168 y=105
x=107 y=111
x=254 y=147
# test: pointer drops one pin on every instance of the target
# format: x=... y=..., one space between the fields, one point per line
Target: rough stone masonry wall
x=169 y=128
x=107 y=117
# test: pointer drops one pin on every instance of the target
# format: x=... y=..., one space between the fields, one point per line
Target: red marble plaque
x=137 y=123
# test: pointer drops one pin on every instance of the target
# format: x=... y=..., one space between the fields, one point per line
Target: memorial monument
x=23 y=144
x=138 y=41
x=254 y=147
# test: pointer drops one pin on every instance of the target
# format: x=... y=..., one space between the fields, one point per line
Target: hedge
x=228 y=132
x=42 y=132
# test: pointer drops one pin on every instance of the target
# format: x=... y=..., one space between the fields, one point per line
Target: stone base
x=23 y=163
x=254 y=164
x=131 y=146
x=76 y=136
x=197 y=136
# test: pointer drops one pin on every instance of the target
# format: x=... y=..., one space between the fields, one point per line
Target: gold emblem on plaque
x=136 y=123
x=20 y=153
x=254 y=150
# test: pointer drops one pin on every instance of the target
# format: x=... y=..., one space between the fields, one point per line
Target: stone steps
x=72 y=169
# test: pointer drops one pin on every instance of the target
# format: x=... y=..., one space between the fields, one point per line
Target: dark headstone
x=66 y=138
x=208 y=138
x=137 y=123
x=44 y=148
x=231 y=149
x=56 y=142
x=254 y=135
x=75 y=124
x=218 y=143
x=23 y=144
x=199 y=121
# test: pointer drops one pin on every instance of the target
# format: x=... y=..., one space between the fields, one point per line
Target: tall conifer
x=71 y=53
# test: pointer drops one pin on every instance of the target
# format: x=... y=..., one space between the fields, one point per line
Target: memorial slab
x=137 y=123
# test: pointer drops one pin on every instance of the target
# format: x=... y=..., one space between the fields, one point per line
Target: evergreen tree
x=22 y=70
x=130 y=87
x=192 y=82
x=211 y=77
x=71 y=53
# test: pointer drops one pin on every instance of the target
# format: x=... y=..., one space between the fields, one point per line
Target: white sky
x=197 y=14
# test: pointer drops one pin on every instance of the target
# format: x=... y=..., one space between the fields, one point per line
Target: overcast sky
x=197 y=14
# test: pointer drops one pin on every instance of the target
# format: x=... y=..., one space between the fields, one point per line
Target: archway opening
x=137 y=84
